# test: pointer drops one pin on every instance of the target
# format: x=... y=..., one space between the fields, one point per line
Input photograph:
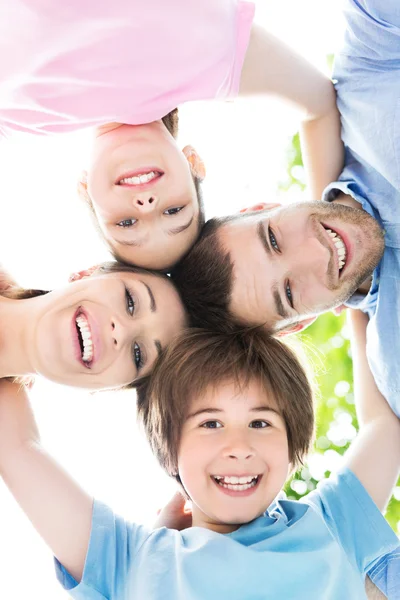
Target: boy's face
x=142 y=192
x=233 y=455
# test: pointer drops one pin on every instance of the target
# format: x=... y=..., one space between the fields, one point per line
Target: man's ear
x=339 y=309
x=82 y=188
x=82 y=274
x=260 y=206
x=296 y=327
x=197 y=165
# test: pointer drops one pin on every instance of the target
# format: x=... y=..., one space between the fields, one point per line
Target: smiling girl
x=104 y=330
x=123 y=67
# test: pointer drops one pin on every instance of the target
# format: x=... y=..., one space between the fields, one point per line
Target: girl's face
x=142 y=192
x=233 y=456
x=105 y=331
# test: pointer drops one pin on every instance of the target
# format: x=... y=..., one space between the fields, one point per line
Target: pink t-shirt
x=68 y=64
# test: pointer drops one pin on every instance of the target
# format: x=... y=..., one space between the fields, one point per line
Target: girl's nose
x=145 y=203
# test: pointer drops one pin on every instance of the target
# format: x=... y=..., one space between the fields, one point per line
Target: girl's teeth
x=138 y=179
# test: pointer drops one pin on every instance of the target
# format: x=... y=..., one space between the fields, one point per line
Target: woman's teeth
x=340 y=248
x=86 y=338
x=238 y=484
x=138 y=179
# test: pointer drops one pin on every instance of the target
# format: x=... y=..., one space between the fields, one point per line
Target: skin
x=143 y=223
x=39 y=334
x=237 y=432
x=302 y=262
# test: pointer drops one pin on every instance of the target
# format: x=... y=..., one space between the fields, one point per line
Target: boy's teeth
x=82 y=323
x=340 y=247
x=238 y=484
x=138 y=179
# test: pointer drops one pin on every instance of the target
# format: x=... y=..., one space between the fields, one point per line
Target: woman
x=103 y=330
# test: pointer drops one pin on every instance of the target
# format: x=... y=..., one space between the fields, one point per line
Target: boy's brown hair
x=198 y=359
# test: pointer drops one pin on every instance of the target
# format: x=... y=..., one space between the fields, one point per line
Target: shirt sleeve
x=113 y=544
x=385 y=574
x=353 y=519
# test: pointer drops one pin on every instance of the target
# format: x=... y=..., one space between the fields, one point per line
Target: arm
x=270 y=67
x=57 y=507
x=374 y=456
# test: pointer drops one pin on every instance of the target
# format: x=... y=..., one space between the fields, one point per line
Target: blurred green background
x=327 y=343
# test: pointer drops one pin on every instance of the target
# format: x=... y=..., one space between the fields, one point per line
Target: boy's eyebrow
x=211 y=410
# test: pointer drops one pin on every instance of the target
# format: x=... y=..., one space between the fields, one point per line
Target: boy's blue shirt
x=319 y=547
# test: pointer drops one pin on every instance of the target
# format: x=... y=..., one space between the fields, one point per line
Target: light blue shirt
x=367 y=74
x=318 y=548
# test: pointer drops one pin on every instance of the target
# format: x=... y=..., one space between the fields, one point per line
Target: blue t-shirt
x=367 y=76
x=318 y=548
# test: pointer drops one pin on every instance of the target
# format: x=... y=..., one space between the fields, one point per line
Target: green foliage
x=328 y=345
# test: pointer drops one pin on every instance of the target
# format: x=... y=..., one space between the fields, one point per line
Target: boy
x=228 y=417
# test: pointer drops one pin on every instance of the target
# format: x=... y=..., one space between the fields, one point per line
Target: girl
x=124 y=66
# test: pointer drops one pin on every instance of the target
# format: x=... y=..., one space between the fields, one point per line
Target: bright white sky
x=45 y=234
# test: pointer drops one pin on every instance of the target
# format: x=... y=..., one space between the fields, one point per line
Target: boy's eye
x=130 y=303
x=211 y=425
x=173 y=211
x=127 y=223
x=272 y=240
x=258 y=424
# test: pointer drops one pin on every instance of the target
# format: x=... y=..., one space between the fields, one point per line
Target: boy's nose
x=145 y=203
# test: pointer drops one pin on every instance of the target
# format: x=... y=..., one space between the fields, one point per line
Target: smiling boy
x=229 y=418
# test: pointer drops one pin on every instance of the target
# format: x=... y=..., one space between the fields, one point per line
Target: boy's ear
x=296 y=327
x=82 y=274
x=260 y=206
x=197 y=165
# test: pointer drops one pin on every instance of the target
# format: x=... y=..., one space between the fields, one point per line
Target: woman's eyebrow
x=153 y=305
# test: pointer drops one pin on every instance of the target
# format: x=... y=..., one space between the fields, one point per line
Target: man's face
x=299 y=260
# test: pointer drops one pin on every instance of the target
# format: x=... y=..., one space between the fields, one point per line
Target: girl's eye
x=130 y=303
x=127 y=223
x=289 y=294
x=259 y=424
x=137 y=356
x=272 y=240
x=211 y=425
x=173 y=211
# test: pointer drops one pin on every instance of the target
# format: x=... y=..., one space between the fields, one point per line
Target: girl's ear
x=196 y=163
x=260 y=206
x=82 y=274
x=82 y=187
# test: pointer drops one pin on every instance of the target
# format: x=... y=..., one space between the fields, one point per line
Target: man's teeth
x=87 y=354
x=238 y=484
x=340 y=247
x=138 y=179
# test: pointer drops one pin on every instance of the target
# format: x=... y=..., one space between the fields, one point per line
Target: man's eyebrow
x=181 y=227
x=153 y=305
x=280 y=309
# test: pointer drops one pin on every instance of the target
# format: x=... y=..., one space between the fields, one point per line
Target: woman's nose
x=145 y=202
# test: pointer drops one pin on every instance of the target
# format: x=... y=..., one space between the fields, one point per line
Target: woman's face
x=105 y=331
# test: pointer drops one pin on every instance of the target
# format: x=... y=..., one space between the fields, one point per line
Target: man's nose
x=145 y=203
x=314 y=259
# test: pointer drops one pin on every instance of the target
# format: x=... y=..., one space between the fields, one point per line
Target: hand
x=6 y=280
x=174 y=515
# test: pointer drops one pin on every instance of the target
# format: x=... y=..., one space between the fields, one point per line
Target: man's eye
x=173 y=211
x=289 y=294
x=130 y=303
x=137 y=356
x=127 y=223
x=258 y=424
x=211 y=425
x=272 y=240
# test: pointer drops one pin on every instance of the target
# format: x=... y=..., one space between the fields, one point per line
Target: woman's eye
x=289 y=294
x=127 y=223
x=137 y=356
x=259 y=424
x=173 y=211
x=130 y=303
x=272 y=240
x=211 y=425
